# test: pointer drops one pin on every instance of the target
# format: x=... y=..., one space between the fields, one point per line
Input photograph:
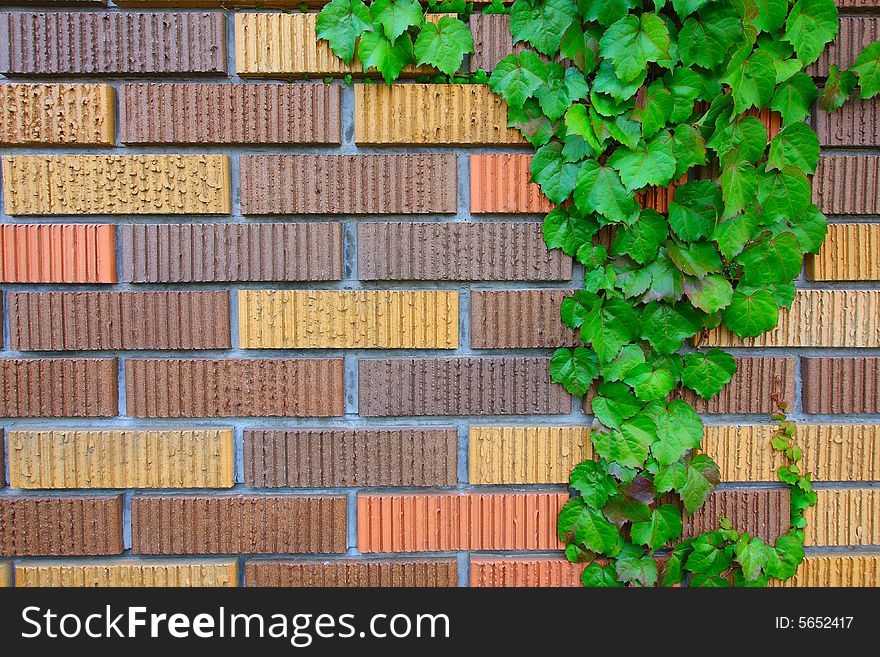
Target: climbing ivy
x=620 y=98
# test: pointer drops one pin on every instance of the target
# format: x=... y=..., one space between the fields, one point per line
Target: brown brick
x=525 y=572
x=854 y=35
x=234 y=387
x=360 y=573
x=60 y=526
x=233 y=524
x=2 y=460
x=762 y=512
x=112 y=43
x=841 y=385
x=348 y=184
x=459 y=386
x=515 y=319
x=190 y=253
x=213 y=113
x=501 y=184
x=847 y=254
x=58 y=387
x=444 y=251
x=492 y=40
x=58 y=253
x=85 y=321
x=55 y=114
x=334 y=458
x=847 y=184
x=856 y=123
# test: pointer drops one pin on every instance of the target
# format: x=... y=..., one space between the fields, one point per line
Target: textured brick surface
x=492 y=40
x=121 y=458
x=233 y=387
x=847 y=254
x=841 y=385
x=127 y=573
x=479 y=251
x=544 y=571
x=847 y=184
x=58 y=387
x=5 y=574
x=232 y=524
x=190 y=253
x=459 y=386
x=2 y=459
x=354 y=458
x=53 y=114
x=500 y=184
x=439 y=522
x=836 y=570
x=60 y=526
x=853 y=36
x=76 y=321
x=116 y=184
x=514 y=319
x=856 y=123
x=348 y=184
x=526 y=455
x=762 y=512
x=117 y=43
x=409 y=572
x=393 y=319
x=844 y=517
x=213 y=113
x=58 y=253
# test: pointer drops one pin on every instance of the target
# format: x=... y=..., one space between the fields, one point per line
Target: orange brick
x=500 y=184
x=57 y=253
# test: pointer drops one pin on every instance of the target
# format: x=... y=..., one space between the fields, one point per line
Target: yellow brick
x=466 y=114
x=5 y=574
x=835 y=570
x=845 y=517
x=832 y=452
x=818 y=318
x=121 y=459
x=849 y=253
x=34 y=114
x=116 y=184
x=526 y=455
x=288 y=319
x=122 y=573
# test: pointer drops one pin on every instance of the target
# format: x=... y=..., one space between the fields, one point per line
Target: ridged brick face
x=526 y=455
x=554 y=572
x=847 y=254
x=118 y=573
x=410 y=572
x=836 y=570
x=847 y=184
x=58 y=387
x=841 y=385
x=761 y=512
x=854 y=35
x=516 y=319
x=58 y=253
x=56 y=114
x=500 y=184
x=856 y=123
x=5 y=574
x=844 y=517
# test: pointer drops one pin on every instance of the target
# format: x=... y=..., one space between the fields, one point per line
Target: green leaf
x=531 y=121
x=673 y=570
x=665 y=328
x=574 y=369
x=753 y=555
x=651 y=163
x=679 y=429
x=702 y=477
x=810 y=26
x=592 y=256
x=710 y=294
x=632 y=42
x=631 y=565
x=444 y=45
x=797 y=145
x=672 y=476
x=838 y=88
x=707 y=373
x=694 y=258
x=396 y=16
x=606 y=81
x=579 y=46
x=789 y=555
x=746 y=133
x=578 y=523
x=664 y=526
x=695 y=210
x=752 y=82
x=707 y=558
x=733 y=233
x=704 y=40
x=518 y=76
x=784 y=194
x=340 y=23
x=554 y=175
x=685 y=8
x=685 y=87
x=658 y=104
x=771 y=15
x=667 y=282
x=867 y=67
x=376 y=51
x=615 y=403
x=542 y=22
x=751 y=314
x=609 y=326
x=575 y=309
x=689 y=149
x=561 y=90
x=620 y=129
x=641 y=240
x=617 y=369
x=628 y=446
x=567 y=229
x=651 y=382
x=794 y=97
x=596 y=575
x=595 y=485
x=810 y=229
x=772 y=258
x=739 y=185
x=599 y=189
x=606 y=12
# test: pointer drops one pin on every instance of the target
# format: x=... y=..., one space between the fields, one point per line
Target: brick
x=854 y=35
x=233 y=387
x=56 y=114
x=459 y=386
x=472 y=521
x=58 y=387
x=112 y=43
x=526 y=455
x=85 y=321
x=835 y=570
x=446 y=114
x=500 y=185
x=121 y=458
x=817 y=318
x=762 y=512
x=844 y=518
x=832 y=452
x=195 y=253
x=847 y=254
x=514 y=319
x=220 y=3
x=233 y=524
x=214 y=113
x=2 y=460
x=444 y=251
x=348 y=319
x=116 y=184
x=58 y=253
x=524 y=572
x=60 y=526
x=841 y=385
x=360 y=573
x=5 y=574
x=348 y=184
x=856 y=123
x=493 y=40
x=847 y=184
x=336 y=458
x=127 y=573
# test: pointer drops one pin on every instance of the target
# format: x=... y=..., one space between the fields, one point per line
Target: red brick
x=360 y=573
x=525 y=572
x=847 y=184
x=501 y=184
x=58 y=387
x=856 y=123
x=519 y=319
x=841 y=385
x=761 y=512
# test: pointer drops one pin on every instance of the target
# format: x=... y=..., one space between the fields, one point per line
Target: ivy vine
x=619 y=97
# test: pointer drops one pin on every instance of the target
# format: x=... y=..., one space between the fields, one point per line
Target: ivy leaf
x=709 y=294
x=610 y=326
x=606 y=12
x=746 y=133
x=576 y=148
x=444 y=45
x=664 y=526
x=575 y=309
x=632 y=42
x=685 y=87
x=651 y=163
x=751 y=313
x=794 y=97
x=518 y=76
x=396 y=16
x=695 y=210
x=707 y=373
x=567 y=229
x=561 y=90
x=733 y=233
x=838 y=88
x=772 y=258
x=617 y=369
x=596 y=575
x=694 y=258
x=631 y=565
x=707 y=558
x=667 y=282
x=753 y=555
x=531 y=122
x=340 y=23
x=595 y=485
x=685 y=8
x=867 y=67
x=689 y=149
x=579 y=46
x=555 y=176
x=670 y=477
x=542 y=22
x=578 y=523
x=810 y=229
x=376 y=51
x=679 y=429
x=665 y=328
x=658 y=105
x=615 y=403
x=620 y=129
x=771 y=15
x=810 y=26
x=607 y=82
x=641 y=240
x=592 y=256
x=628 y=446
x=739 y=184
x=673 y=571
x=789 y=555
x=622 y=509
x=574 y=369
x=784 y=194
x=599 y=189
x=705 y=40
x=651 y=382
x=796 y=145
x=702 y=477
x=752 y=82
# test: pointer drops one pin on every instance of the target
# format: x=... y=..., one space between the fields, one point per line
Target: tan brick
x=835 y=570
x=848 y=254
x=844 y=517
x=526 y=455
x=352 y=573
x=5 y=574
x=54 y=114
x=116 y=184
x=127 y=573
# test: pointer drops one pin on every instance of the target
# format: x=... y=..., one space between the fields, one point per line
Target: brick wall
x=266 y=331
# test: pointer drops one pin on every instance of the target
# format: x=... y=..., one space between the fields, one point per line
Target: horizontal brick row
x=50 y=114
x=513 y=319
x=847 y=254
x=349 y=573
x=835 y=570
x=58 y=253
x=127 y=573
x=394 y=319
x=841 y=385
x=58 y=387
x=847 y=517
